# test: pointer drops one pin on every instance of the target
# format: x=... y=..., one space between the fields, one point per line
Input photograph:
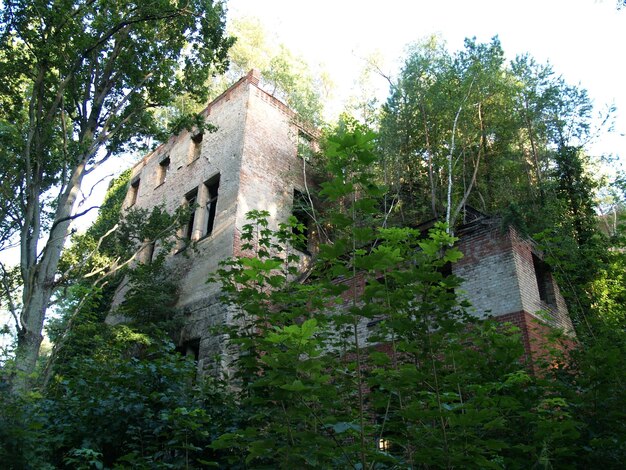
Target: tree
x=284 y=74
x=426 y=387
x=114 y=248
x=82 y=80
x=445 y=122
x=506 y=138
x=470 y=128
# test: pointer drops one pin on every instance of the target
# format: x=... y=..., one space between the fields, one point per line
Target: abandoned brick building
x=504 y=275
x=251 y=162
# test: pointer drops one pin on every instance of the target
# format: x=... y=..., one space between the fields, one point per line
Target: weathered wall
x=270 y=169
x=220 y=154
x=488 y=271
x=554 y=314
x=254 y=151
x=534 y=334
x=500 y=278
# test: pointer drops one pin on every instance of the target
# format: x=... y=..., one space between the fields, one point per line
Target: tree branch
x=450 y=166
x=8 y=292
x=72 y=217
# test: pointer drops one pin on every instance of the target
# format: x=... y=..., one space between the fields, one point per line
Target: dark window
x=196 y=146
x=164 y=167
x=190 y=200
x=544 y=281
x=212 y=187
x=448 y=281
x=446 y=269
x=300 y=211
x=190 y=348
x=134 y=190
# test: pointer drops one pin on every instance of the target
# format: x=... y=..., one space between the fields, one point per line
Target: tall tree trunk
x=39 y=284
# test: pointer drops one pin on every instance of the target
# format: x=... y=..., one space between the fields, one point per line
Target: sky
x=582 y=39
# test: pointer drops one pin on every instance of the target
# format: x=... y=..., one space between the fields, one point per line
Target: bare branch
x=91 y=254
x=320 y=229
x=379 y=71
x=474 y=174
x=93 y=186
x=72 y=217
x=450 y=156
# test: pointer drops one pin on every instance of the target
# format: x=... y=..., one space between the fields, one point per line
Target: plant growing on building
x=426 y=387
x=81 y=82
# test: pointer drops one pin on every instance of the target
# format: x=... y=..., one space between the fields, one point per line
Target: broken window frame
x=211 y=191
x=545 y=284
x=303 y=217
x=305 y=145
x=191 y=201
x=190 y=347
x=134 y=191
x=164 y=168
x=195 y=147
x=149 y=252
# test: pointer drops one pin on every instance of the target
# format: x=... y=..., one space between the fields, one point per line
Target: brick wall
x=554 y=313
x=500 y=276
x=488 y=271
x=270 y=169
x=254 y=151
x=535 y=335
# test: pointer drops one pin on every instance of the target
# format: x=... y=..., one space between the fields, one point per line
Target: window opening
x=190 y=348
x=196 y=146
x=446 y=273
x=191 y=200
x=134 y=190
x=212 y=188
x=303 y=220
x=164 y=167
x=544 y=281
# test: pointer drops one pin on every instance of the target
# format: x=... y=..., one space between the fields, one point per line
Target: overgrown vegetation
x=81 y=81
x=431 y=387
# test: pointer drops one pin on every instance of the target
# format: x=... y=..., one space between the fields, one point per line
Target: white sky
x=582 y=39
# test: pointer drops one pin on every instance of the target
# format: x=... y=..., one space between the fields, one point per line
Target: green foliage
x=130 y=408
x=508 y=139
x=430 y=386
x=151 y=297
x=82 y=81
x=488 y=130
x=21 y=431
x=373 y=361
x=119 y=396
x=96 y=263
x=283 y=73
x=596 y=389
x=98 y=246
